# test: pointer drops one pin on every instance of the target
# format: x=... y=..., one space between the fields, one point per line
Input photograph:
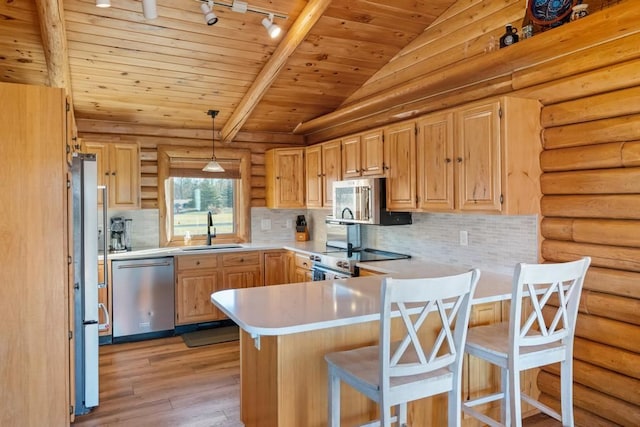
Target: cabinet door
x=331 y=170
x=275 y=271
x=351 y=157
x=285 y=174
x=372 y=154
x=193 y=296
x=478 y=158
x=124 y=167
x=400 y=156
x=435 y=162
x=313 y=166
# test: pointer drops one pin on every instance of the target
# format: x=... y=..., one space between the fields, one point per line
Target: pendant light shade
x=103 y=3
x=213 y=165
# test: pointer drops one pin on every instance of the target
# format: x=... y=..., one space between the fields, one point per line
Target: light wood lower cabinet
x=198 y=276
x=302 y=269
x=275 y=268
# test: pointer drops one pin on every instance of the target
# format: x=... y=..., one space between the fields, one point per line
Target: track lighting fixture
x=273 y=29
x=239 y=6
x=103 y=3
x=213 y=165
x=207 y=9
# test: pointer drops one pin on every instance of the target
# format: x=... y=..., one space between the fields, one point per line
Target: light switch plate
x=464 y=238
x=265 y=224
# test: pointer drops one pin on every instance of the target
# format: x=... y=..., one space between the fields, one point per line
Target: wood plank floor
x=163 y=382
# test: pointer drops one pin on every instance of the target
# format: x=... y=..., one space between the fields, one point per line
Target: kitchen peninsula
x=287 y=330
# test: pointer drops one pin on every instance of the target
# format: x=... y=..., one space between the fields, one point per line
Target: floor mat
x=211 y=336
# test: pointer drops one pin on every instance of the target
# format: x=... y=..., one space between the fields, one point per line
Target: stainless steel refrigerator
x=84 y=185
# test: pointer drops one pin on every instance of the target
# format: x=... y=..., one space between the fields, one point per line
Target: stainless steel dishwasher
x=143 y=297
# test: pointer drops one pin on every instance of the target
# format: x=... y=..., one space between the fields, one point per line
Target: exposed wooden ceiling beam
x=296 y=34
x=54 y=42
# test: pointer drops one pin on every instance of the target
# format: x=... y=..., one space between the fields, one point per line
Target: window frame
x=167 y=153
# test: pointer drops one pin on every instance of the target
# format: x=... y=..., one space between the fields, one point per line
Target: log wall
x=591 y=206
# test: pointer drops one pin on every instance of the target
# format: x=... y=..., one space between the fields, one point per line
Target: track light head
x=149 y=9
x=207 y=10
x=273 y=29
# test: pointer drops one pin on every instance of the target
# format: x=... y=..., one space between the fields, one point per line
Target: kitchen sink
x=210 y=247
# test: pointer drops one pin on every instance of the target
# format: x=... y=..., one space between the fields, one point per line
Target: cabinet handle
x=241 y=259
x=459 y=159
x=277 y=177
x=448 y=160
x=113 y=174
x=107 y=173
x=319 y=175
x=197 y=262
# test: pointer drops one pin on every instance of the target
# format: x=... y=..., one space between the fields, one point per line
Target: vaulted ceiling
x=169 y=71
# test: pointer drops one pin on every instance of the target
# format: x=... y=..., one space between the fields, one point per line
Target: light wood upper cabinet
x=119 y=170
x=313 y=168
x=400 y=164
x=285 y=178
x=363 y=155
x=478 y=157
x=323 y=164
x=435 y=161
x=481 y=158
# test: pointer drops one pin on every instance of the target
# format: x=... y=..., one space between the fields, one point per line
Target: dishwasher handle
x=145 y=264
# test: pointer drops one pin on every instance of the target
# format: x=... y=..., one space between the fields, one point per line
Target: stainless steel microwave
x=363 y=201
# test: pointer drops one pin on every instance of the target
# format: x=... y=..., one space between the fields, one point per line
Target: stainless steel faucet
x=209 y=225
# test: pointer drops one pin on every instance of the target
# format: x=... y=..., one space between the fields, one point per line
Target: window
x=186 y=194
x=193 y=198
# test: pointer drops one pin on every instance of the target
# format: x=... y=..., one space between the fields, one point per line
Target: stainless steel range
x=343 y=252
x=341 y=264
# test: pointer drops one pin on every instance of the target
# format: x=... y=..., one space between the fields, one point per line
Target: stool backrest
x=545 y=302
x=447 y=299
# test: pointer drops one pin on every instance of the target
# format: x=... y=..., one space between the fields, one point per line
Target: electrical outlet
x=265 y=224
x=289 y=223
x=464 y=238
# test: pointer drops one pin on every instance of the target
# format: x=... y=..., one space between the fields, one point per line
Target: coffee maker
x=120 y=234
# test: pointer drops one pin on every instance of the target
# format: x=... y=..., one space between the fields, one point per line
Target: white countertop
x=308 y=306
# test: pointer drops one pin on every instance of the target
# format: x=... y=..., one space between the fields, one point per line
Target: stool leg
x=505 y=402
x=402 y=414
x=515 y=405
x=334 y=399
x=566 y=388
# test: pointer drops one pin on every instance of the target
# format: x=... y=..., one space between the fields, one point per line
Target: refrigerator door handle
x=106 y=325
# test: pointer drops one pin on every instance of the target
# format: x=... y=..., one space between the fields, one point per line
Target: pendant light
x=213 y=165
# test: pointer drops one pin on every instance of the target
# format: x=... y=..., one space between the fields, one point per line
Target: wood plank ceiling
x=169 y=71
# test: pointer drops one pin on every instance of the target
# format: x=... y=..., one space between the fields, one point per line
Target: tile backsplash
x=495 y=242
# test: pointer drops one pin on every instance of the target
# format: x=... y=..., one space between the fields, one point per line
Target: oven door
x=320 y=272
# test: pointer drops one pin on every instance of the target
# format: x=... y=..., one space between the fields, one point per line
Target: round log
x=600 y=181
x=606 y=331
x=623 y=206
x=615 y=282
x=619 y=129
x=609 y=407
x=582 y=418
x=611 y=306
x=614 y=359
x=605 y=381
x=601 y=255
x=557 y=228
x=615 y=232
x=618 y=76
x=612 y=104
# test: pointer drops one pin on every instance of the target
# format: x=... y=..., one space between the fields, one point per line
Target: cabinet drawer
x=303 y=261
x=196 y=261
x=241 y=258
